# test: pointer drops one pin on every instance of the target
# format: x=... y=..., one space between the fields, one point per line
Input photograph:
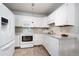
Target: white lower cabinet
x=17 y=40
x=37 y=39
x=67 y=47
x=54 y=46
x=51 y=44
x=59 y=47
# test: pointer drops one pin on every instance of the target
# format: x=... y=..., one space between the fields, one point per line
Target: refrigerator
x=7 y=31
x=6 y=45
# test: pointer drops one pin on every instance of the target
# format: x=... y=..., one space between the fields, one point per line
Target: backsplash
x=62 y=30
x=57 y=30
x=39 y=30
x=21 y=30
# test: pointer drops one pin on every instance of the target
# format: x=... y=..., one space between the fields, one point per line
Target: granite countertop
x=60 y=37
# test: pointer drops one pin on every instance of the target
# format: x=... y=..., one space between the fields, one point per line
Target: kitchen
x=39 y=29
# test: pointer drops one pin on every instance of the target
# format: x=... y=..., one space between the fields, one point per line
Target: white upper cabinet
x=29 y=21
x=51 y=18
x=64 y=15
x=70 y=14
x=40 y=22
x=26 y=21
x=44 y=22
x=37 y=22
x=60 y=16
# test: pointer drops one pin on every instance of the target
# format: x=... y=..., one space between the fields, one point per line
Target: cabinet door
x=18 y=22
x=51 y=18
x=67 y=47
x=37 y=23
x=60 y=16
x=17 y=41
x=70 y=13
x=54 y=46
x=37 y=39
x=46 y=42
x=26 y=24
x=44 y=22
x=65 y=15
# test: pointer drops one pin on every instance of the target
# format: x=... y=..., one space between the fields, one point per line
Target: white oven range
x=26 y=41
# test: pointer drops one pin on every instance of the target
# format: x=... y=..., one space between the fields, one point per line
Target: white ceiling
x=38 y=8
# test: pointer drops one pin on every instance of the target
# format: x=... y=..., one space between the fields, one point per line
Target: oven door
x=27 y=39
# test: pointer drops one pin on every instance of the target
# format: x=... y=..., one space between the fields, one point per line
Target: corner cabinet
x=64 y=15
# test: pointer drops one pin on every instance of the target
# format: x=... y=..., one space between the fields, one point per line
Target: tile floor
x=35 y=51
